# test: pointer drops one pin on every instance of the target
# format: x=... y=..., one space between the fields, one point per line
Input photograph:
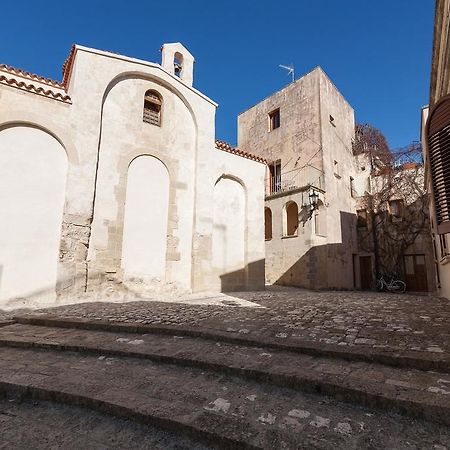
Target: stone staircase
x=229 y=391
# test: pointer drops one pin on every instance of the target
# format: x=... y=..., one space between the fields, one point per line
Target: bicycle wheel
x=398 y=286
x=380 y=286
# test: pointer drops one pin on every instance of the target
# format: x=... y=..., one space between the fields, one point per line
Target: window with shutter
x=438 y=137
x=152 y=108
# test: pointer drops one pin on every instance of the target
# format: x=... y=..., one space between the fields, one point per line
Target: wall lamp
x=313 y=198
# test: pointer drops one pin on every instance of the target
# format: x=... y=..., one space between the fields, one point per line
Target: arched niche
x=290 y=219
x=33 y=171
x=144 y=244
x=228 y=244
x=267 y=223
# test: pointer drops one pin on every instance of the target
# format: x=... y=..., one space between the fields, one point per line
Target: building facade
x=435 y=132
x=305 y=130
x=112 y=181
x=317 y=191
x=393 y=225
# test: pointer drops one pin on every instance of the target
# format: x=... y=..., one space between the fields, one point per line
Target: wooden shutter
x=438 y=137
x=152 y=108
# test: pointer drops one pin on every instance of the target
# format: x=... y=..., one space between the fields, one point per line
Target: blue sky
x=378 y=53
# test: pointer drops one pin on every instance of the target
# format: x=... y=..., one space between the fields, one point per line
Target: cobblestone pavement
x=46 y=425
x=266 y=416
x=352 y=320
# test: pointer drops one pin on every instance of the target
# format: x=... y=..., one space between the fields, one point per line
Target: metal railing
x=295 y=179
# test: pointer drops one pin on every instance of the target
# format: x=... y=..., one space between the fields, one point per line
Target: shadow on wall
x=108 y=287
x=327 y=266
x=249 y=278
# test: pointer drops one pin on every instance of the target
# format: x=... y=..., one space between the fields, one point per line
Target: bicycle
x=391 y=286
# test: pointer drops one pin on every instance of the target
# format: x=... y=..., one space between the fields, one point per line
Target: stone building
x=435 y=128
x=112 y=181
x=316 y=188
x=393 y=223
x=305 y=130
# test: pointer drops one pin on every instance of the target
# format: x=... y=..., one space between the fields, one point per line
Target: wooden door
x=415 y=273
x=365 y=268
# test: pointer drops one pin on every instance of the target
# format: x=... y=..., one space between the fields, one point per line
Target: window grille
x=152 y=108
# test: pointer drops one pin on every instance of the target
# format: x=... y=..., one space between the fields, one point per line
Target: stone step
x=42 y=425
x=217 y=409
x=406 y=359
x=421 y=394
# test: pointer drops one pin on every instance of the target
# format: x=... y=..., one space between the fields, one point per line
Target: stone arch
x=146 y=212
x=115 y=251
x=290 y=218
x=178 y=61
x=41 y=123
x=229 y=232
x=33 y=202
x=227 y=176
x=155 y=79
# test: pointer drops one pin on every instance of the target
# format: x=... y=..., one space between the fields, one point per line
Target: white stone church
x=112 y=180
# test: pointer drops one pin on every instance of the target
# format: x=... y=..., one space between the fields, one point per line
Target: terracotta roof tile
x=34 y=89
x=222 y=145
x=18 y=76
x=67 y=66
x=32 y=76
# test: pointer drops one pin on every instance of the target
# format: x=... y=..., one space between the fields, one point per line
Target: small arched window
x=178 y=64
x=291 y=214
x=152 y=108
x=268 y=223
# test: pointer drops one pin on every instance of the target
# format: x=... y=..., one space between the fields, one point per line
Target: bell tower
x=177 y=60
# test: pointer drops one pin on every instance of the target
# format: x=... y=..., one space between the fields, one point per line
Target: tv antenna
x=290 y=69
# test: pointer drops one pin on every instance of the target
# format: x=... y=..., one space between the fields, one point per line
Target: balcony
x=297 y=179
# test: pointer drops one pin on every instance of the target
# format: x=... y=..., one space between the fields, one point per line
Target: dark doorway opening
x=365 y=267
x=415 y=273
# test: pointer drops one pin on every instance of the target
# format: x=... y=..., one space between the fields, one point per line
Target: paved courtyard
x=348 y=319
x=191 y=363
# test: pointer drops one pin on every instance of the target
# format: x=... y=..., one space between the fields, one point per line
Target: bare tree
x=397 y=207
x=372 y=142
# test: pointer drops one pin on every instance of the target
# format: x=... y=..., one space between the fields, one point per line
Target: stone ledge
x=407 y=359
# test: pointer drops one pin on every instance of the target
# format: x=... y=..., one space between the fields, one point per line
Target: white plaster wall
x=125 y=136
x=237 y=178
x=362 y=179
x=102 y=132
x=145 y=221
x=228 y=226
x=33 y=168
